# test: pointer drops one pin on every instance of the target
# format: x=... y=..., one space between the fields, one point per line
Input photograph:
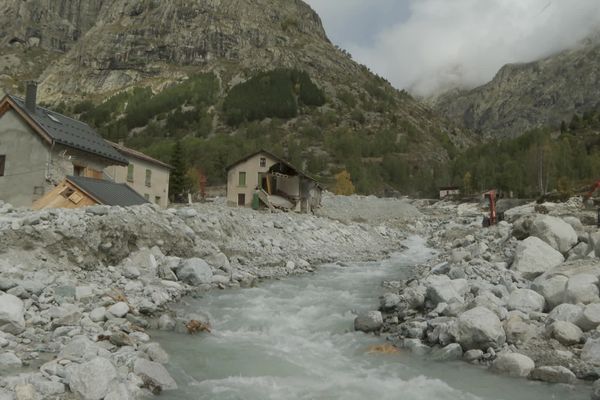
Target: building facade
x=39 y=148
x=146 y=175
x=275 y=182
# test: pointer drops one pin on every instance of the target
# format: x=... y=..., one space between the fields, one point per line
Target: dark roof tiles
x=70 y=132
x=107 y=192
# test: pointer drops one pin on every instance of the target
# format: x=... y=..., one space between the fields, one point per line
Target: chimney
x=31 y=96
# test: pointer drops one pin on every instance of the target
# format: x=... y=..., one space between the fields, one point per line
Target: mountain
x=228 y=76
x=522 y=97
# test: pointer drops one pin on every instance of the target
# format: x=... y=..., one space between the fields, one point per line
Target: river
x=293 y=339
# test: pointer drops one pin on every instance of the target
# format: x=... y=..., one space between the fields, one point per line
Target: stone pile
x=80 y=288
x=521 y=297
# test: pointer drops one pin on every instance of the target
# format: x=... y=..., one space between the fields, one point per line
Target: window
x=2 y=162
x=157 y=199
x=130 y=173
x=147 y=196
x=148 y=178
x=78 y=170
x=67 y=192
x=263 y=162
x=242 y=179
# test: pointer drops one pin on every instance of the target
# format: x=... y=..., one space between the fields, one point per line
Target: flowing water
x=293 y=339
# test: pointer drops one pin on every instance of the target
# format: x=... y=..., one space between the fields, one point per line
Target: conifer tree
x=177 y=181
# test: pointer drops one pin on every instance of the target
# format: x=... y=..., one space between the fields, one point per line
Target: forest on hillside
x=215 y=129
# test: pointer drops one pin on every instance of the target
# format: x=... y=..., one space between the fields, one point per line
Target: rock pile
x=79 y=288
x=521 y=297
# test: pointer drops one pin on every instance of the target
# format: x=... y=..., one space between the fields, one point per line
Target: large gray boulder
x=582 y=288
x=195 y=271
x=370 y=321
x=119 y=309
x=572 y=313
x=480 y=328
x=591 y=317
x=154 y=374
x=513 y=364
x=518 y=330
x=533 y=257
x=566 y=332
x=552 y=288
x=591 y=351
x=442 y=289
x=526 y=300
x=554 y=231
x=553 y=374
x=11 y=314
x=93 y=379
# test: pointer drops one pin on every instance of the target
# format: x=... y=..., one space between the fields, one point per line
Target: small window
x=157 y=199
x=75 y=198
x=2 y=162
x=130 y=173
x=147 y=196
x=263 y=162
x=242 y=181
x=148 y=178
x=67 y=192
x=38 y=190
x=78 y=170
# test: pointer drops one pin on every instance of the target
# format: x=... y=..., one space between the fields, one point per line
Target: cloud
x=437 y=44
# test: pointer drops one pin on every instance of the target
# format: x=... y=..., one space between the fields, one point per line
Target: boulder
x=553 y=374
x=480 y=328
x=591 y=317
x=389 y=301
x=552 y=288
x=582 y=288
x=368 y=322
x=519 y=330
x=451 y=352
x=98 y=314
x=473 y=355
x=567 y=312
x=154 y=374
x=93 y=379
x=554 y=231
x=195 y=271
x=9 y=361
x=566 y=333
x=119 y=309
x=26 y=391
x=591 y=351
x=80 y=347
x=513 y=364
x=526 y=300
x=11 y=314
x=156 y=353
x=441 y=289
x=533 y=257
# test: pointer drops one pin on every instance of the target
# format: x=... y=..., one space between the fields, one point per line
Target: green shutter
x=242 y=179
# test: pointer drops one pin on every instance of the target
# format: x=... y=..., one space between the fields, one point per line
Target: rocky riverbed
x=520 y=298
x=80 y=288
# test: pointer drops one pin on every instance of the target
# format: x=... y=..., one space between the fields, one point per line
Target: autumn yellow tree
x=343 y=184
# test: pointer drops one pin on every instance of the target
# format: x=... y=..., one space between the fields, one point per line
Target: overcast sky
x=428 y=45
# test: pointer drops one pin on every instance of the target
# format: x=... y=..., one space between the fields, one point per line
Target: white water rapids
x=293 y=339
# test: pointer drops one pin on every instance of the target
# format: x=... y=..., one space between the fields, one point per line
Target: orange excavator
x=491 y=196
x=589 y=194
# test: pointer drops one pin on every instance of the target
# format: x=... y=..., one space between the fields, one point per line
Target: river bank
x=79 y=288
x=520 y=298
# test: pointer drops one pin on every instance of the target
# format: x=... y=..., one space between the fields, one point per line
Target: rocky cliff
x=525 y=96
x=92 y=49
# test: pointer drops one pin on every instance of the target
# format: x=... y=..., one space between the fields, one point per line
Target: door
x=241 y=199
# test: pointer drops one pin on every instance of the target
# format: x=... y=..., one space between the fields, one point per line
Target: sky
x=427 y=46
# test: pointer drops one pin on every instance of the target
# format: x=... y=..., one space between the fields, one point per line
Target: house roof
x=279 y=159
x=107 y=192
x=126 y=151
x=60 y=129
